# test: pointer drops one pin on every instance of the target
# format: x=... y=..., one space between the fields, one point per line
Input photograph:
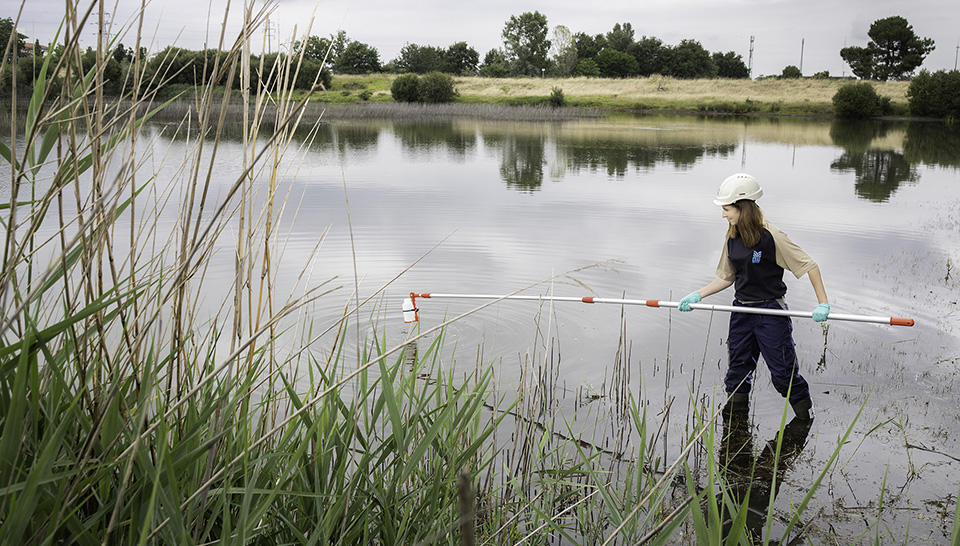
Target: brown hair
x=750 y=225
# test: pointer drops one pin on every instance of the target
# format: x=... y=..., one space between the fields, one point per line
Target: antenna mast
x=801 y=56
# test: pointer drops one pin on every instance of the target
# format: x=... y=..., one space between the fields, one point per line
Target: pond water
x=622 y=208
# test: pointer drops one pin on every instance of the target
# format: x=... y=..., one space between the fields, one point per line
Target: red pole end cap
x=901 y=321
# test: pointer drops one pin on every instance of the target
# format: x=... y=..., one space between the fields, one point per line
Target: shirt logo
x=756 y=256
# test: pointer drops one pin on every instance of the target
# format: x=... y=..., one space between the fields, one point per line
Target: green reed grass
x=128 y=416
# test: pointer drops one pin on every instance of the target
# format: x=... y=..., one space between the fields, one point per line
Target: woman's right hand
x=692 y=297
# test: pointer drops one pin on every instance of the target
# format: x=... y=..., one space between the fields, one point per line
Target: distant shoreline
x=655 y=94
x=527 y=99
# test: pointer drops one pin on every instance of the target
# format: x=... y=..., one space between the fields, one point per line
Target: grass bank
x=804 y=96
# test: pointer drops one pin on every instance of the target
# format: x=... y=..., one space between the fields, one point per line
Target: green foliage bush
x=935 y=95
x=616 y=64
x=858 y=101
x=365 y=94
x=588 y=68
x=309 y=70
x=437 y=87
x=495 y=65
x=824 y=75
x=406 y=88
x=433 y=87
x=791 y=71
x=557 y=99
x=495 y=70
x=358 y=58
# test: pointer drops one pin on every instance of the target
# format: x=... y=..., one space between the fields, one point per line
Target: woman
x=753 y=260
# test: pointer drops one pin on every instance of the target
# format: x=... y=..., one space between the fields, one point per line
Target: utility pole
x=844 y=73
x=801 y=56
x=955 y=55
x=271 y=27
x=103 y=29
x=750 y=61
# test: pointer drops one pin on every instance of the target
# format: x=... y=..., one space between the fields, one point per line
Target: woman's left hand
x=821 y=312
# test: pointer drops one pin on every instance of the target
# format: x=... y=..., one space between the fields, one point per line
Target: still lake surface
x=622 y=207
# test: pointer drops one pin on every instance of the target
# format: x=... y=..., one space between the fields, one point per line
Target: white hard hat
x=736 y=187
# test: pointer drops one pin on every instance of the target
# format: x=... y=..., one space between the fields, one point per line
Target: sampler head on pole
x=410 y=311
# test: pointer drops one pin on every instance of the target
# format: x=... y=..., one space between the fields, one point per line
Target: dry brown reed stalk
x=467 y=511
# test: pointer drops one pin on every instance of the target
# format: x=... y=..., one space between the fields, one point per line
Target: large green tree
x=691 y=60
x=616 y=64
x=526 y=44
x=621 y=37
x=358 y=58
x=340 y=43
x=420 y=59
x=730 y=65
x=652 y=56
x=893 y=52
x=6 y=28
x=564 y=50
x=461 y=59
x=495 y=65
x=315 y=49
x=588 y=46
x=120 y=53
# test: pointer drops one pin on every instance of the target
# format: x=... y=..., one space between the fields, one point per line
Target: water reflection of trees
x=523 y=156
x=932 y=143
x=521 y=159
x=619 y=157
x=428 y=137
x=877 y=172
x=346 y=138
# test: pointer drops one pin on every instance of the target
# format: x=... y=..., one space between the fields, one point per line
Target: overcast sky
x=779 y=26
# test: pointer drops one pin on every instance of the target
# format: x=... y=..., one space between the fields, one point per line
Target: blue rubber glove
x=821 y=312
x=692 y=297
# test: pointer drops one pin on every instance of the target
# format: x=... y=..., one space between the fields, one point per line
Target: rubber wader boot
x=803 y=409
x=737 y=405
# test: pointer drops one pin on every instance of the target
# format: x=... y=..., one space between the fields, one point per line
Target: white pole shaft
x=894 y=321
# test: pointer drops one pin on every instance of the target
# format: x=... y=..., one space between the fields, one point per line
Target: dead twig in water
x=931 y=450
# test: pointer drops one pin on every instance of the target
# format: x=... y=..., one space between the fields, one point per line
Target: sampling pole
x=411 y=312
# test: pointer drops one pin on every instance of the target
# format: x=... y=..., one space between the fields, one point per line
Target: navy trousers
x=771 y=336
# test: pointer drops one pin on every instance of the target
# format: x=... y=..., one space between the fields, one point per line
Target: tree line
x=530 y=49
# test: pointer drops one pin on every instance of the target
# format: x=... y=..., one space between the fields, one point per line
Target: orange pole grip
x=901 y=321
x=653 y=303
x=587 y=299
